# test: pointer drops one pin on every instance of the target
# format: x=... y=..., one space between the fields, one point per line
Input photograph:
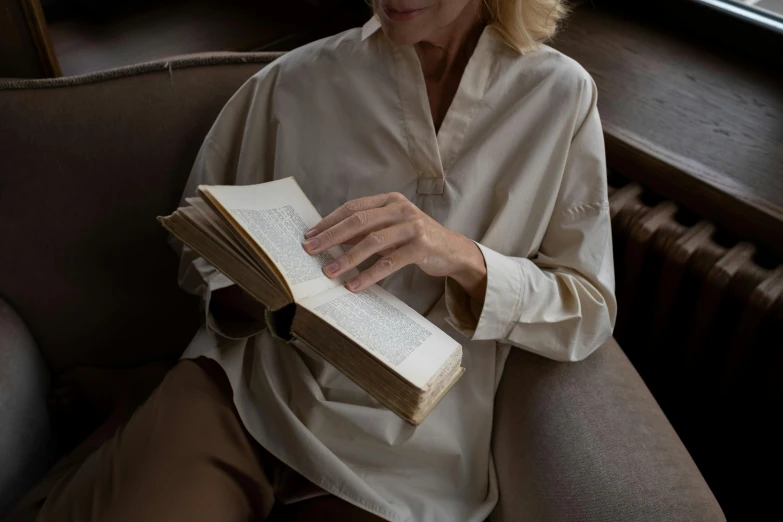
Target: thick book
x=253 y=234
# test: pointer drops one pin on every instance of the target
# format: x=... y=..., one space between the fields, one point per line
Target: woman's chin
x=403 y=35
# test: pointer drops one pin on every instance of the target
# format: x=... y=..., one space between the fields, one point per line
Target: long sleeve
x=560 y=302
x=228 y=158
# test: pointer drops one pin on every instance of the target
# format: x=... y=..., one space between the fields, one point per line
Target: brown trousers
x=183 y=455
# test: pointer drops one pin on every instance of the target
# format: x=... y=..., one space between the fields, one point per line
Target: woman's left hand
x=392 y=226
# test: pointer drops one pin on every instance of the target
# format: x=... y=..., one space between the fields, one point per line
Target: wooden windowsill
x=688 y=121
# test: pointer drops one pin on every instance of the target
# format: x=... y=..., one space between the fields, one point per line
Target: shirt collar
x=371 y=27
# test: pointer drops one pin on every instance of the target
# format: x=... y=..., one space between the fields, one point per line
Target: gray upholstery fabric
x=587 y=442
x=26 y=440
x=86 y=164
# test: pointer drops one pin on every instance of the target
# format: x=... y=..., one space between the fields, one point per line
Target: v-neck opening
x=470 y=92
x=433 y=152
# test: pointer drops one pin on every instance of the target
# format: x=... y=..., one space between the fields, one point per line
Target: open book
x=254 y=234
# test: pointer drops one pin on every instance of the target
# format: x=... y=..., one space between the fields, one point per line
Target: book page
x=389 y=329
x=203 y=217
x=275 y=216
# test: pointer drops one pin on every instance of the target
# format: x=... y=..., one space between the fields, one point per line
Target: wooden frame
x=36 y=23
x=26 y=50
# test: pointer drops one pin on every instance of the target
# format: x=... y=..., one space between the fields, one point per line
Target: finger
x=351 y=207
x=383 y=268
x=360 y=223
x=357 y=239
x=354 y=240
x=375 y=242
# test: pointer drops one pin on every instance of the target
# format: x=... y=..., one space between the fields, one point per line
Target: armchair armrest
x=587 y=441
x=26 y=439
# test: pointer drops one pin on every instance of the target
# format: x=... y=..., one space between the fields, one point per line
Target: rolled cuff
x=214 y=280
x=493 y=319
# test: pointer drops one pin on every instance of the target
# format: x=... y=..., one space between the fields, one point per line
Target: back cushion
x=84 y=171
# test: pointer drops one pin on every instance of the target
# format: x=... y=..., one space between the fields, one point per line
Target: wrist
x=471 y=272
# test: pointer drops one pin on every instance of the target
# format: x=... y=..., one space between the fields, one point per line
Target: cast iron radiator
x=701 y=317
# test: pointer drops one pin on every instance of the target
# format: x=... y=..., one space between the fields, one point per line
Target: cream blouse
x=518 y=166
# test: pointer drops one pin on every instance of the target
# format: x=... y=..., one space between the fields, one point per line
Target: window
x=768 y=13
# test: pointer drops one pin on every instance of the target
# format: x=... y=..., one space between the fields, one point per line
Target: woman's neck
x=445 y=55
x=451 y=47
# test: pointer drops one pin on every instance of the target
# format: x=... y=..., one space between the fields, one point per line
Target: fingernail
x=311 y=243
x=310 y=233
x=353 y=284
x=332 y=268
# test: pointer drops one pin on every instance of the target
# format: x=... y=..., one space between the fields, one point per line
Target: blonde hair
x=525 y=24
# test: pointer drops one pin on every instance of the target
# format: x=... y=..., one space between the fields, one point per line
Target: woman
x=470 y=157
